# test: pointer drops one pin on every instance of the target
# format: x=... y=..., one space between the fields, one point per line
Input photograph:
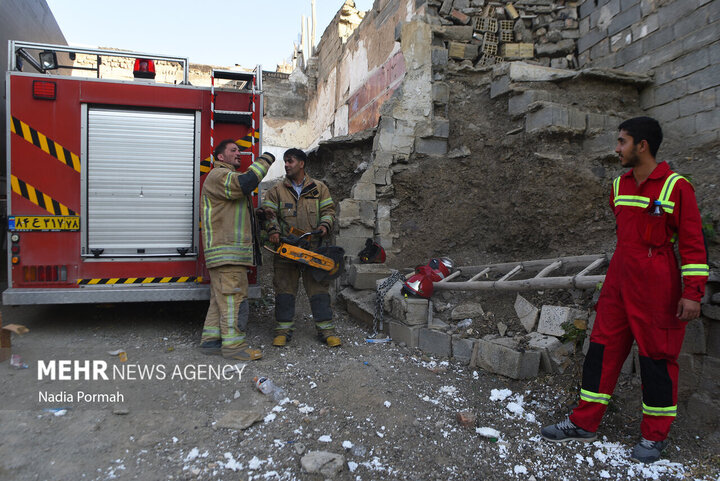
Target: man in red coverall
x=643 y=297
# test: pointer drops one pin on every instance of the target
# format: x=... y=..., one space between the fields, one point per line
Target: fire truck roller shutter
x=141 y=181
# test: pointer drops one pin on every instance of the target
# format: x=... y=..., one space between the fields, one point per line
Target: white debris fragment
x=476 y=375
x=194 y=452
x=500 y=394
x=519 y=469
x=174 y=439
x=489 y=433
x=270 y=417
x=387 y=404
x=255 y=463
x=325 y=439
x=347 y=444
x=231 y=463
x=515 y=408
x=352 y=466
x=305 y=409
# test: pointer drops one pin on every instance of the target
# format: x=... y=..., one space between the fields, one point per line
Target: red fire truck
x=104 y=176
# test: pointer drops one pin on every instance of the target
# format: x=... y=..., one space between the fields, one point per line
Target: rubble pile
x=551 y=333
x=482 y=33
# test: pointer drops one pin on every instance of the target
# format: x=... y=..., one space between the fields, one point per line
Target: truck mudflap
x=112 y=294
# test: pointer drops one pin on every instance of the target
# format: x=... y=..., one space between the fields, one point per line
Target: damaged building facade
x=485 y=131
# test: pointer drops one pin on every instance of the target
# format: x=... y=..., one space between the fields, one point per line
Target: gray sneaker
x=566 y=431
x=647 y=451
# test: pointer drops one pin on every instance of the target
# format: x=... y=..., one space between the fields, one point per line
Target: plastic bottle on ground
x=267 y=387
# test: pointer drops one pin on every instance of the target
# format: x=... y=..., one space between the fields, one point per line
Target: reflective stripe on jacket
x=680 y=221
x=228 y=214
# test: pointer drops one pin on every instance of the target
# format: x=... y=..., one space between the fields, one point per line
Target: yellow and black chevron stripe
x=38 y=198
x=137 y=280
x=245 y=143
x=46 y=144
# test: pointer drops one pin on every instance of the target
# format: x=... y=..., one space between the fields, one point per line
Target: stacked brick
x=544 y=31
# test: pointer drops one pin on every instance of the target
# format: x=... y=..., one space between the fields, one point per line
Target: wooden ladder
x=500 y=276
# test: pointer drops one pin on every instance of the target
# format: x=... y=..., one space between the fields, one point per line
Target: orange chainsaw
x=326 y=262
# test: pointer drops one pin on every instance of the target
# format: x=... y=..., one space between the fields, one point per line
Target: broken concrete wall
x=356 y=69
x=678 y=41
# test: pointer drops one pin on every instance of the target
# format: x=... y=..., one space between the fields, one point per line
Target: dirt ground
x=388 y=410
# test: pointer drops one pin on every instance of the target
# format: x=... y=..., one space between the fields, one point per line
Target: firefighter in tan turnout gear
x=302 y=203
x=230 y=246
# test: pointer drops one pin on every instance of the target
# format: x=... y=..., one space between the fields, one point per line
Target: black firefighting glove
x=270 y=158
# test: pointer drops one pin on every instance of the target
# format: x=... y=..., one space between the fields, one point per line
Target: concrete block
x=697 y=102
x=525 y=72
x=352 y=211
x=713 y=339
x=545 y=345
x=552 y=117
x=625 y=19
x=441 y=128
x=563 y=47
x=499 y=86
x=402 y=144
x=560 y=62
x=456 y=50
x=708 y=406
x=457 y=33
x=364 y=191
x=704 y=79
x=394 y=300
x=431 y=146
x=462 y=349
x=416 y=311
x=591 y=39
x=553 y=317
x=468 y=310
x=526 y=312
x=383 y=176
x=518 y=104
x=439 y=56
x=709 y=377
x=600 y=144
x=435 y=342
x=645 y=28
x=440 y=92
x=497 y=358
x=401 y=333
x=446 y=7
x=695 y=340
x=689 y=375
x=707 y=121
x=365 y=276
x=360 y=305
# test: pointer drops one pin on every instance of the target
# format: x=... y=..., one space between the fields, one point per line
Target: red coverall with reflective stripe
x=640 y=296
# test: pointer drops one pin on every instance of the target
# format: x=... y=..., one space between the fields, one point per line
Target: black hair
x=297 y=153
x=644 y=128
x=221 y=147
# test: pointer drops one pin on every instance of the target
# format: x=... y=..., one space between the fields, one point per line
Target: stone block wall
x=678 y=42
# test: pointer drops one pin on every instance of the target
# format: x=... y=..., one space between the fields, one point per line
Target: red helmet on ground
x=373 y=253
x=420 y=284
x=440 y=269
